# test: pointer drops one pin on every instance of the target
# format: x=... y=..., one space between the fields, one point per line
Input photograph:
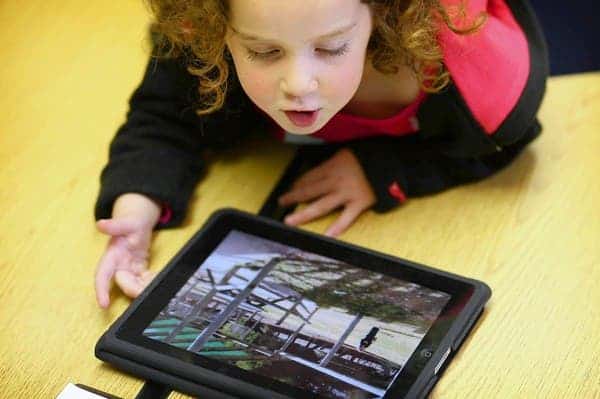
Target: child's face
x=287 y=61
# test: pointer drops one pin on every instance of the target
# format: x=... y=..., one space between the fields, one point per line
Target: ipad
x=252 y=308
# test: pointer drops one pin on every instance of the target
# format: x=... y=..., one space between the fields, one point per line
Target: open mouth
x=302 y=118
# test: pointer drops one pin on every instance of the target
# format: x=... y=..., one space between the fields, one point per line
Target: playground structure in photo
x=225 y=320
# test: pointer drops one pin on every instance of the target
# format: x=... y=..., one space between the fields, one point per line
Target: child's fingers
x=315 y=174
x=128 y=282
x=132 y=284
x=104 y=273
x=349 y=214
x=147 y=276
x=139 y=266
x=307 y=192
x=324 y=169
x=116 y=227
x=320 y=207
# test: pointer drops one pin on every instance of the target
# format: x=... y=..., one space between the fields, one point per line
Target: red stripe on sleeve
x=166 y=214
x=395 y=191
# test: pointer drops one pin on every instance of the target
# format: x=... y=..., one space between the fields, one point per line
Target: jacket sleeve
x=157 y=151
x=478 y=124
x=413 y=166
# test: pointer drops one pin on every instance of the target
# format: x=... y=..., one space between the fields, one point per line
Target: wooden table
x=531 y=232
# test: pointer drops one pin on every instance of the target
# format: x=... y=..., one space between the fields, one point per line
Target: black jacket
x=157 y=150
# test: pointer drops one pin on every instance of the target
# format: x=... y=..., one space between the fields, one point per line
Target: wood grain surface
x=532 y=232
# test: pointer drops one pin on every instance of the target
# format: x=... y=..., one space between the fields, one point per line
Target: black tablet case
x=146 y=364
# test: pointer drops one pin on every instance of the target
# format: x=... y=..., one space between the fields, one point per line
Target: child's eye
x=262 y=55
x=335 y=52
x=273 y=54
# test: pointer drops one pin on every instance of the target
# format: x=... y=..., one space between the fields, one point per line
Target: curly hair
x=404 y=33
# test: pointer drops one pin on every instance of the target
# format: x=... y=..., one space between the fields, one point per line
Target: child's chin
x=301 y=133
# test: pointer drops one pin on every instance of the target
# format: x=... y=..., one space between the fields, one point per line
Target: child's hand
x=339 y=181
x=126 y=256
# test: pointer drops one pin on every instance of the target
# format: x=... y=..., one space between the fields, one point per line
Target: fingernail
x=104 y=303
x=103 y=222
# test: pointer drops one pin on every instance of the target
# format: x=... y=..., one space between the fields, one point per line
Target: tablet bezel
x=466 y=296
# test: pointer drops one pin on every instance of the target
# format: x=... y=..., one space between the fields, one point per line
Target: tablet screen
x=318 y=324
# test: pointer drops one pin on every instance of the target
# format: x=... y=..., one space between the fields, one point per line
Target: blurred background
x=572 y=30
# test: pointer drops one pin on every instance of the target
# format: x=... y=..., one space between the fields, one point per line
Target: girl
x=416 y=95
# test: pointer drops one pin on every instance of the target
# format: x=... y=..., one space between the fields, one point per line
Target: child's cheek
x=339 y=87
x=257 y=87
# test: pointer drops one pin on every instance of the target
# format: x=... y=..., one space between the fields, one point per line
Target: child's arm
x=154 y=164
x=154 y=152
x=400 y=168
x=157 y=152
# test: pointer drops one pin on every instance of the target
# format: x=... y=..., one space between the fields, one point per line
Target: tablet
x=253 y=308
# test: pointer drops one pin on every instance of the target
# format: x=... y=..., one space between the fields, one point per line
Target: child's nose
x=298 y=83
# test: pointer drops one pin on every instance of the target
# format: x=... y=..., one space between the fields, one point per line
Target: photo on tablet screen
x=306 y=320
